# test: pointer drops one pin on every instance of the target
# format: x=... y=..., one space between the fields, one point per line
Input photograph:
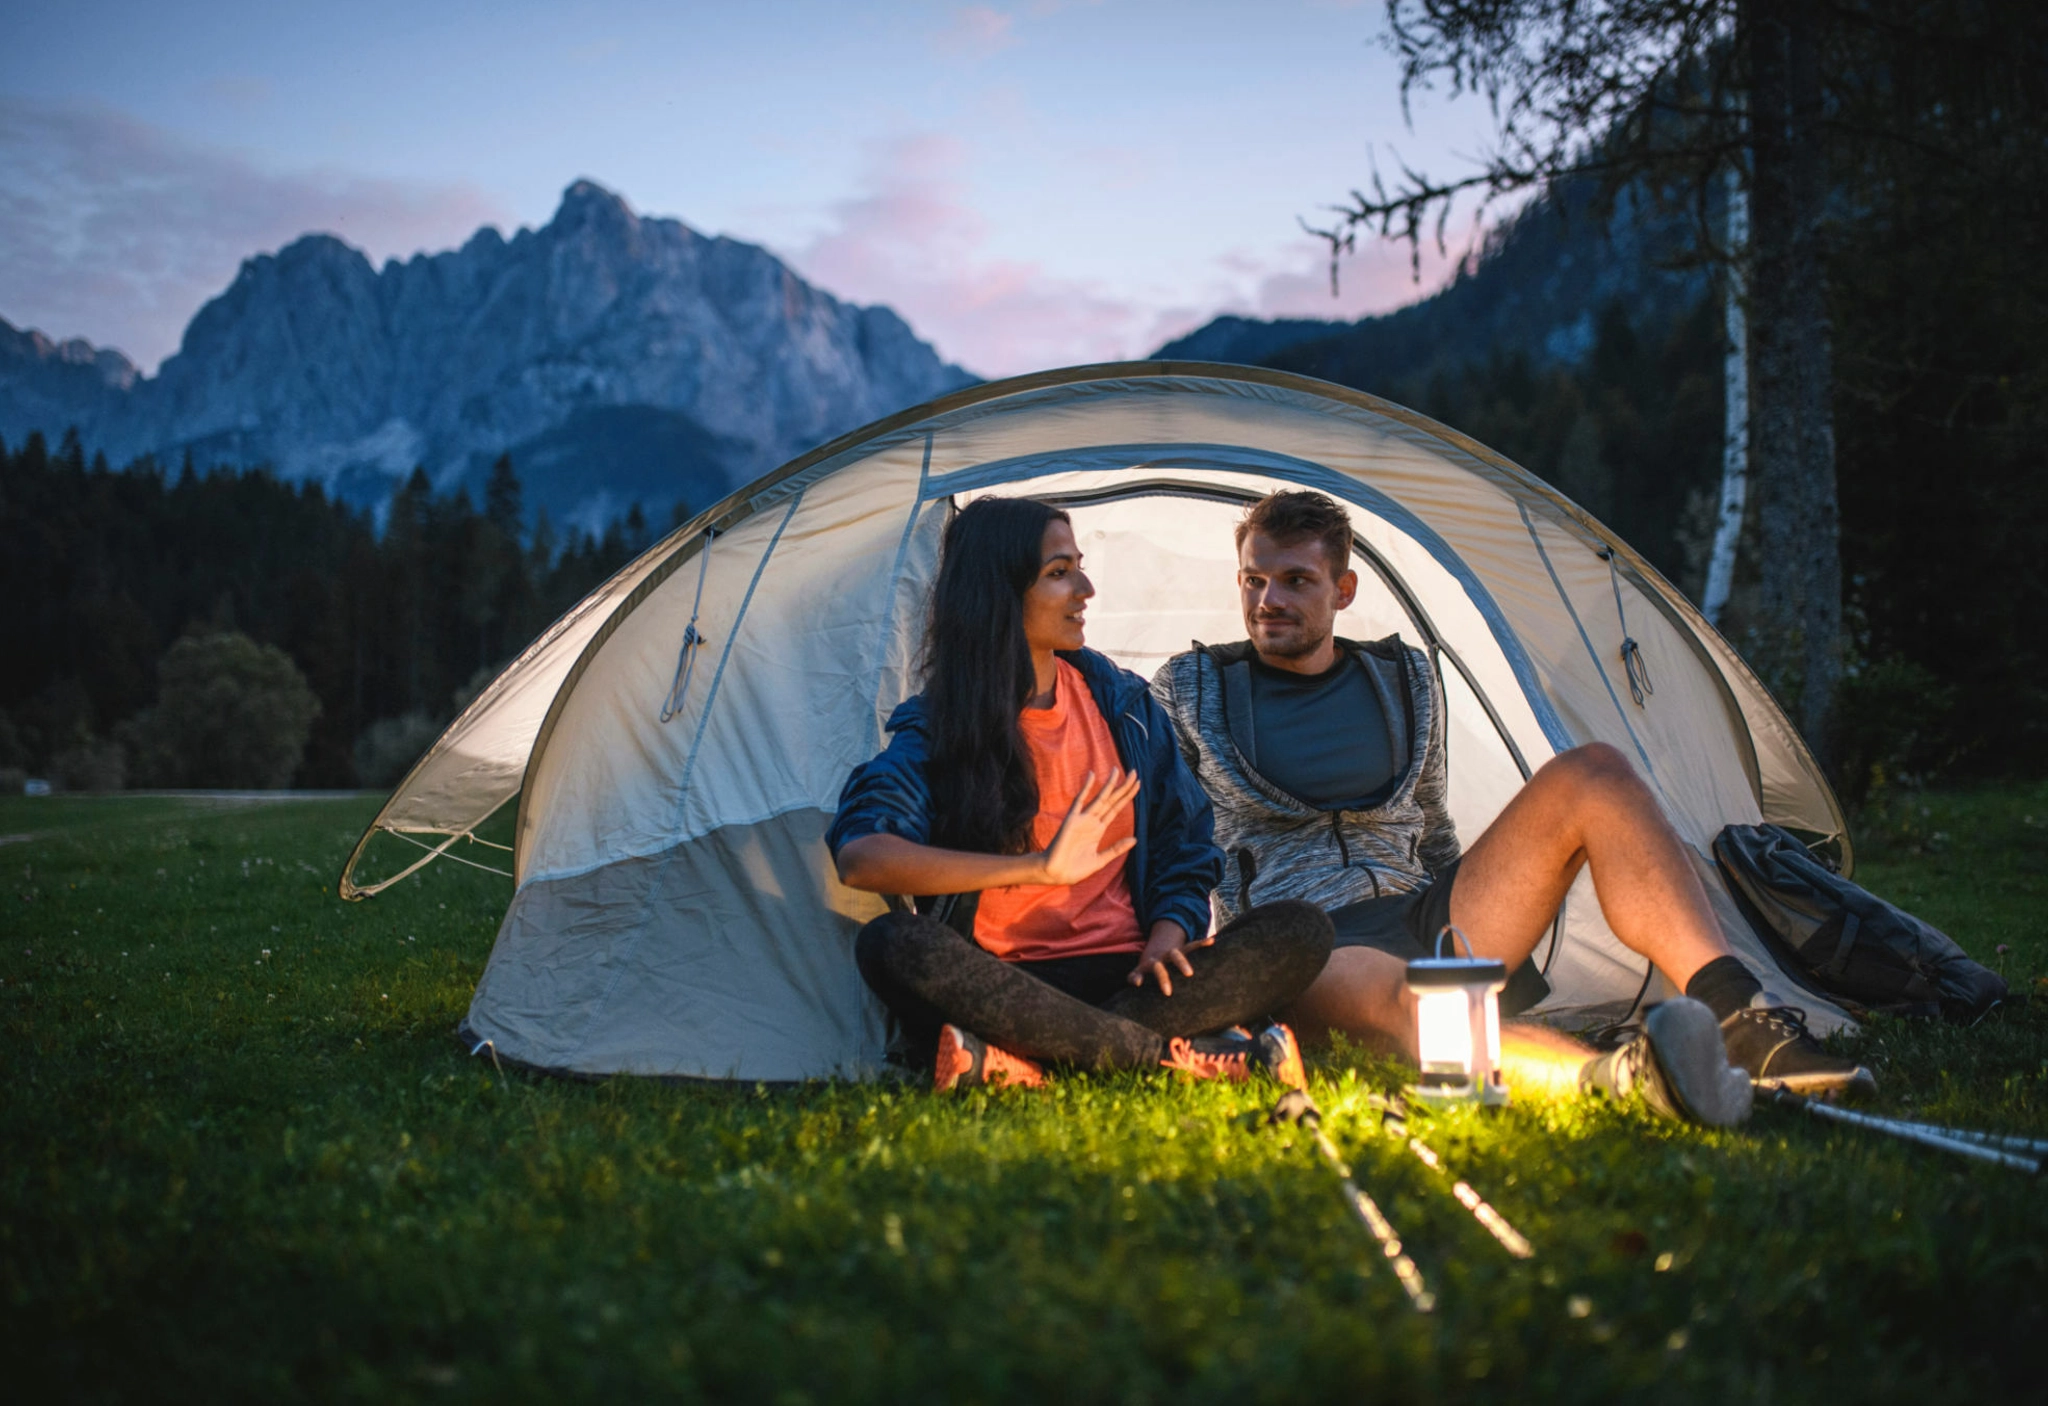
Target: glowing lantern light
x=1457 y=1023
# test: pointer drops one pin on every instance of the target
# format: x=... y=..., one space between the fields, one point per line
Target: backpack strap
x=1844 y=945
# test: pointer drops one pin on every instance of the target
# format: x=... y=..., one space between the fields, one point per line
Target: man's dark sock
x=1724 y=986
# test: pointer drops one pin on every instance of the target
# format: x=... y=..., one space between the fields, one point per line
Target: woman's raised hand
x=1075 y=852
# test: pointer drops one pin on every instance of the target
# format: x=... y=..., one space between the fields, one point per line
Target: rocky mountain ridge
x=1535 y=291
x=616 y=357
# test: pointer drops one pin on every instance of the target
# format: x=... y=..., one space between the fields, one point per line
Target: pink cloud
x=913 y=241
x=977 y=31
x=117 y=231
x=1294 y=281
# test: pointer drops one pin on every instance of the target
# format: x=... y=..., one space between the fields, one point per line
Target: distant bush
x=99 y=764
x=1897 y=730
x=388 y=748
x=12 y=780
x=230 y=713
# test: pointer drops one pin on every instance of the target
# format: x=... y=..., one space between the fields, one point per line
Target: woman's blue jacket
x=1175 y=862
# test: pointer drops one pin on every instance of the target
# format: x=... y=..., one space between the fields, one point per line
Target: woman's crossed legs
x=930 y=975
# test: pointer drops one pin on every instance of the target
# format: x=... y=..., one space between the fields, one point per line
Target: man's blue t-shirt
x=1322 y=738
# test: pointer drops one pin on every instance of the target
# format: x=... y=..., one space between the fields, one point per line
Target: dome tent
x=678 y=741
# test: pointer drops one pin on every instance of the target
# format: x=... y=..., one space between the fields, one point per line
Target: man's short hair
x=1289 y=517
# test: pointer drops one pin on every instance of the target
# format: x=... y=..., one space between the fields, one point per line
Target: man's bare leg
x=1586 y=806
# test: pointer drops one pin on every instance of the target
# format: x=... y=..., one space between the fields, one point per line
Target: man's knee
x=1361 y=986
x=1595 y=769
x=1361 y=993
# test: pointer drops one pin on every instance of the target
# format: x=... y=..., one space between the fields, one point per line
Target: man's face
x=1290 y=596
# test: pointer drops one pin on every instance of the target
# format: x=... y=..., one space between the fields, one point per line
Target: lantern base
x=1446 y=1092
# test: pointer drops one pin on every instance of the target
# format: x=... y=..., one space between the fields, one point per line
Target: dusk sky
x=1030 y=184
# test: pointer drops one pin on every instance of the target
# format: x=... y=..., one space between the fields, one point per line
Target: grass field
x=243 y=1157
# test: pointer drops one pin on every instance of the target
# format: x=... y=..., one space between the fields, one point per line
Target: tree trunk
x=1820 y=516
x=1735 y=404
x=1798 y=639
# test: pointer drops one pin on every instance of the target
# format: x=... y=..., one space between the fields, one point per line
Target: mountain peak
x=586 y=202
x=321 y=251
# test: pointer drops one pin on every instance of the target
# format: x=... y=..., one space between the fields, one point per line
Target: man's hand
x=1166 y=952
x=1075 y=851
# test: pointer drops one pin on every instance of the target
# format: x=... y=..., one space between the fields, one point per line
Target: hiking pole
x=1944 y=1139
x=2028 y=1146
x=1295 y=1106
x=1511 y=1239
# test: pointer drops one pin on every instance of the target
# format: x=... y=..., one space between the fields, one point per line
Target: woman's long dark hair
x=978 y=676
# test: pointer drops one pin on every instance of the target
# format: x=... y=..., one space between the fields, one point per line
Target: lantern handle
x=1457 y=933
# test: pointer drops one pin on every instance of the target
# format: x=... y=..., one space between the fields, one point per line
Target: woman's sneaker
x=1216 y=1057
x=1677 y=1065
x=968 y=1060
x=1236 y=1052
x=1772 y=1045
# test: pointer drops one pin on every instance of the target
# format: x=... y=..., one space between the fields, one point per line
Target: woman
x=1038 y=791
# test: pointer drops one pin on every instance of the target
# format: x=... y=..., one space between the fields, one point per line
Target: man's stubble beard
x=1305 y=644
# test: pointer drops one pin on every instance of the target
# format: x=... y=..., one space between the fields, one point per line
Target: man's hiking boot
x=966 y=1061
x=1772 y=1045
x=1677 y=1065
x=1236 y=1053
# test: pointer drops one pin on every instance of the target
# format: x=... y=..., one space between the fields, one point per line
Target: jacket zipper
x=1344 y=851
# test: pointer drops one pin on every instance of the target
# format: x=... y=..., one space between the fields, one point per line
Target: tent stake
x=1511 y=1239
x=1295 y=1106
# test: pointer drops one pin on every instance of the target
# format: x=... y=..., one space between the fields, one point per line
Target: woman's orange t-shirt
x=1034 y=922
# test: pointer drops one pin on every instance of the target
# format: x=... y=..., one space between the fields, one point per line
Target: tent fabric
x=678 y=741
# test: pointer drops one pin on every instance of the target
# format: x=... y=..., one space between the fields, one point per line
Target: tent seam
x=1592 y=653
x=924 y=474
x=773 y=814
x=725 y=655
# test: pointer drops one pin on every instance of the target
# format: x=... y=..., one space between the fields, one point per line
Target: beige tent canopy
x=677 y=742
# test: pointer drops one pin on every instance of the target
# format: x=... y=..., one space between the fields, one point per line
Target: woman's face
x=1057 y=600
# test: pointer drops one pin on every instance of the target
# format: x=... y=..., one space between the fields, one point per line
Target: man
x=1325 y=761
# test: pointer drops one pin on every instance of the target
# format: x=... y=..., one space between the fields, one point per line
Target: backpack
x=1843 y=941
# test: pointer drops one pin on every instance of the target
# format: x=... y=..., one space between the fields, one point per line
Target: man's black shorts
x=1405 y=925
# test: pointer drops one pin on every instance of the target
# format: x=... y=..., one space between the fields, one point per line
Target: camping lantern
x=1457 y=1024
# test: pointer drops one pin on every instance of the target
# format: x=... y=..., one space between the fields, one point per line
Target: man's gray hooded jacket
x=1280 y=847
